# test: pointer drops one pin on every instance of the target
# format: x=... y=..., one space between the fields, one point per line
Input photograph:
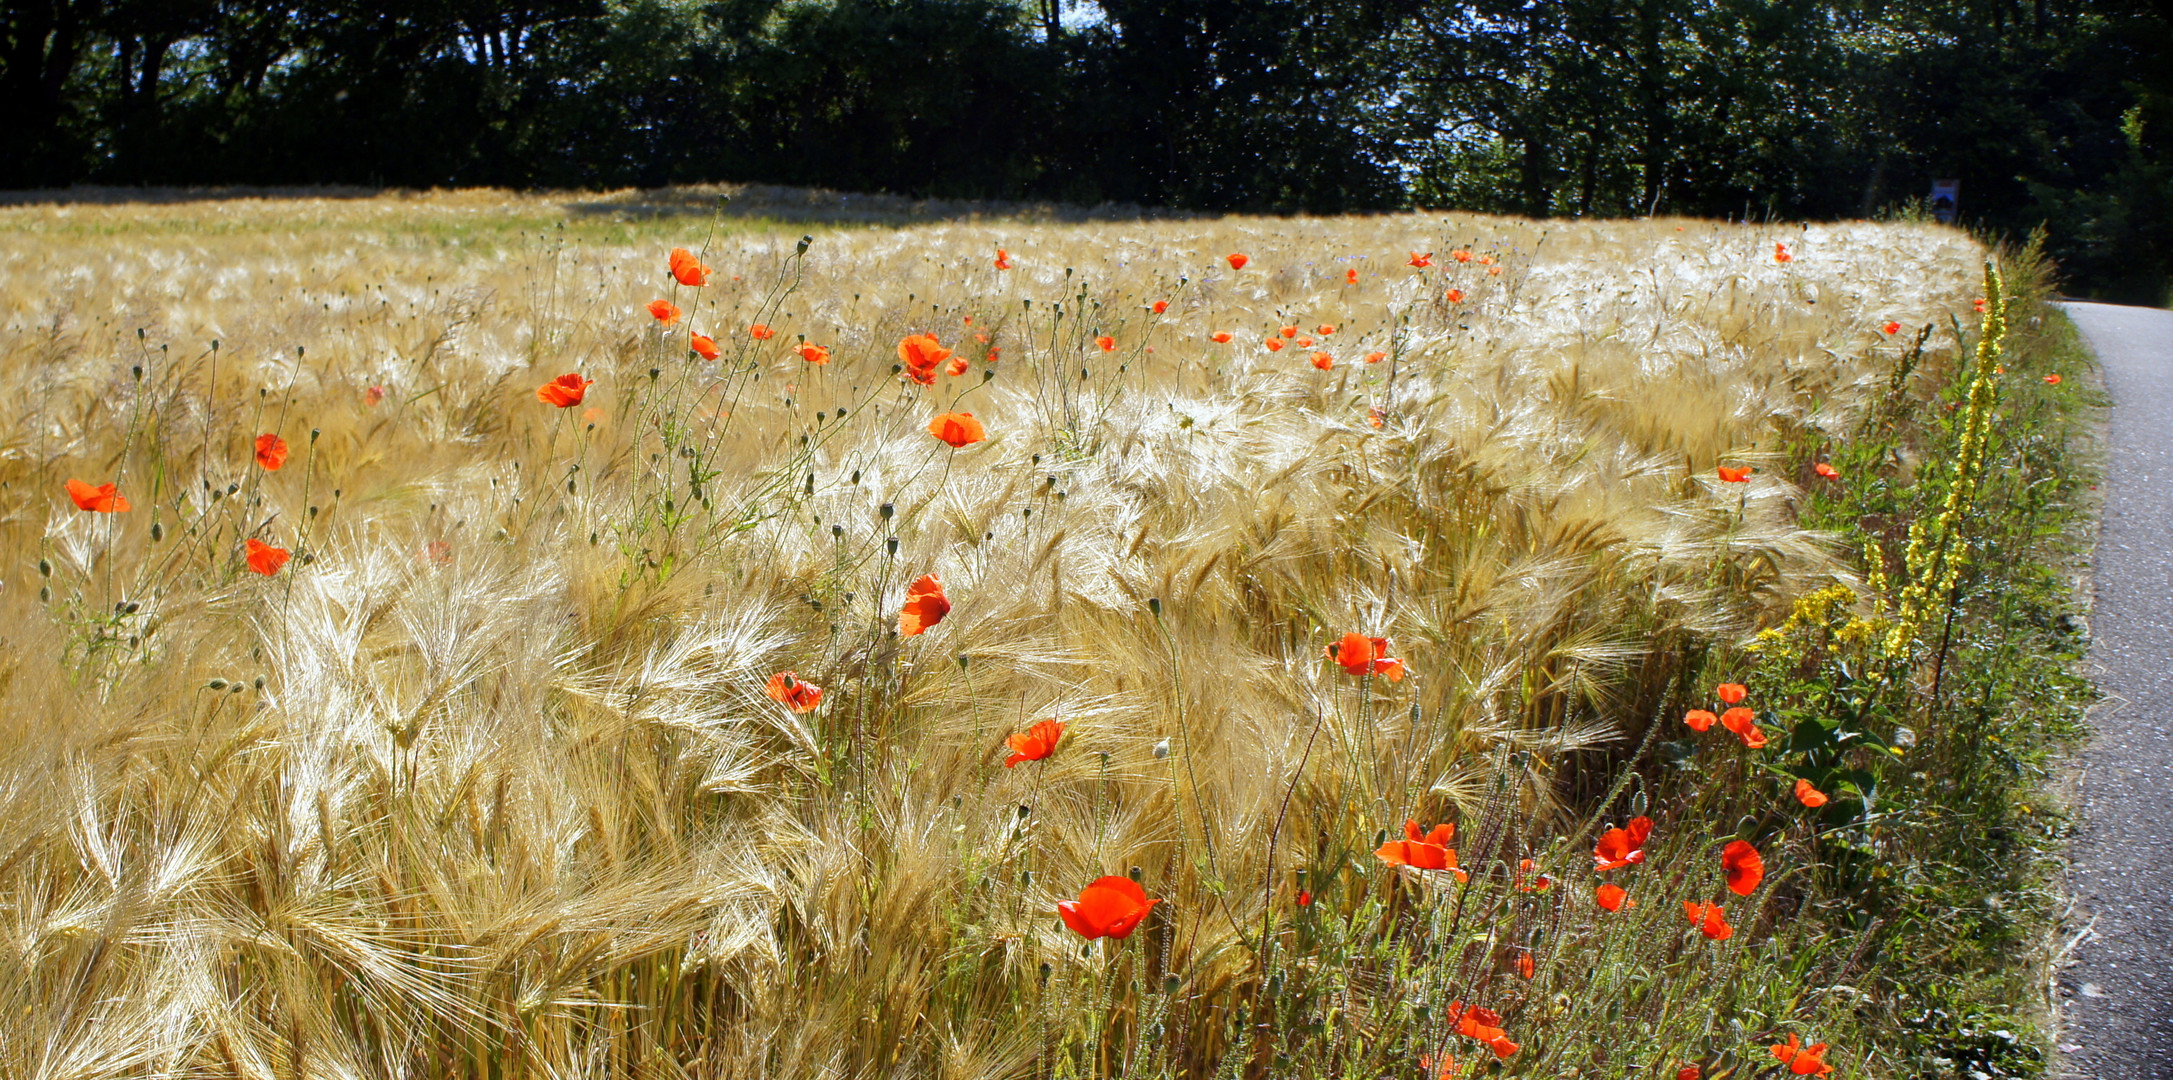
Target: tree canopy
x=2049 y=112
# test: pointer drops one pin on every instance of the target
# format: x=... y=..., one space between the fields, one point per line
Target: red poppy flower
x=1237 y=262
x=688 y=269
x=1161 y=306
x=1613 y=897
x=1360 y=654
x=1289 y=331
x=1526 y=966
x=566 y=391
x=1422 y=261
x=271 y=452
x=1689 y=1072
x=1375 y=358
x=262 y=557
x=1454 y=296
x=1324 y=329
x=1486 y=260
x=921 y=353
x=1892 y=328
x=1350 y=276
x=1305 y=899
x=1622 y=847
x=1275 y=344
x=1494 y=270
x=1446 y=1069
x=1423 y=851
x=1375 y=417
x=925 y=606
x=1803 y=1060
x=373 y=395
x=1220 y=337
x=1745 y=725
x=959 y=429
x=1780 y=253
x=1978 y=305
x=2052 y=380
x=1539 y=884
x=793 y=693
x=1462 y=255
x=1035 y=743
x=813 y=354
x=1809 y=795
x=704 y=345
x=665 y=311
x=1304 y=343
x=1700 y=720
x=761 y=332
x=1483 y=1025
x=1731 y=693
x=1323 y=361
x=1734 y=476
x=1003 y=261
x=1707 y=918
x=1827 y=471
x=1110 y=907
x=101 y=499
x=1743 y=866
x=1108 y=344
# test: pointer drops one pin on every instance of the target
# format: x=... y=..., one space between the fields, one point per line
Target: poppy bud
x=963 y=661
x=1135 y=873
x=45 y=568
x=233 y=688
x=802 y=249
x=654 y=372
x=1045 y=970
x=1171 y=984
x=890 y=546
x=1025 y=811
x=45 y=594
x=1422 y=1014
x=1637 y=805
x=886 y=510
x=856 y=476
x=1154 y=605
x=837 y=532
x=131 y=607
x=158 y=532
x=1161 y=749
x=259 y=683
x=217 y=684
x=137 y=371
x=1026 y=878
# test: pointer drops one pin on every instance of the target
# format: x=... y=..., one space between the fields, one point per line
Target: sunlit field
x=686 y=718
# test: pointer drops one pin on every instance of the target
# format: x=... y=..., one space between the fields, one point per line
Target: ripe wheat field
x=493 y=774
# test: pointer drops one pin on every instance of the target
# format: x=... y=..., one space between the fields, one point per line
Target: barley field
x=493 y=774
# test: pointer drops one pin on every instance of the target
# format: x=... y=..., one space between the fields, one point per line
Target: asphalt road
x=2117 y=994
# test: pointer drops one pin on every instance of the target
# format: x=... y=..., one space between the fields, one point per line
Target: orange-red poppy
x=761 y=332
x=1526 y=966
x=925 y=606
x=566 y=391
x=1161 y=306
x=1035 y=743
x=1740 y=861
x=1350 y=276
x=1537 y=884
x=1360 y=654
x=665 y=311
x=1731 y=693
x=1622 y=847
x=1324 y=329
x=1744 y=723
x=1486 y=260
x=1612 y=897
x=1454 y=296
x=1892 y=328
x=921 y=354
x=1110 y=907
x=101 y=499
x=1289 y=331
x=1827 y=471
x=1220 y=337
x=1444 y=1069
x=1977 y=305
x=1809 y=795
x=957 y=366
x=1003 y=260
x=793 y=692
x=1700 y=720
x=1275 y=344
x=1494 y=270
x=1303 y=343
x=1422 y=261
x=1780 y=253
x=373 y=395
x=1305 y=899
x=1375 y=417
x=688 y=269
x=1803 y=1060
x=1708 y=920
x=1237 y=262
x=959 y=429
x=262 y=557
x=1483 y=1025
x=2052 y=380
x=1689 y=1072
x=271 y=452
x=813 y=353
x=1423 y=850
x=1376 y=357
x=1323 y=361
x=704 y=345
x=1730 y=475
x=1108 y=344
x=1462 y=255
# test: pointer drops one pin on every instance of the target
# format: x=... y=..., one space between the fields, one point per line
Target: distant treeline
x=2053 y=112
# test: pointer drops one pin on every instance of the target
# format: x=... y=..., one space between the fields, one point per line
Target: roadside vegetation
x=1401 y=646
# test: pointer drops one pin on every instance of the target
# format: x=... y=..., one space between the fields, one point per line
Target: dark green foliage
x=2049 y=111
